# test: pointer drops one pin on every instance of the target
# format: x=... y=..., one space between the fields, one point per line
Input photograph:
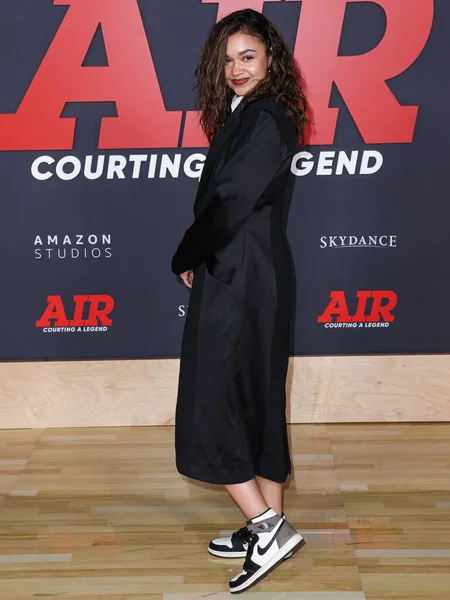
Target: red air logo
x=131 y=80
x=88 y=313
x=374 y=309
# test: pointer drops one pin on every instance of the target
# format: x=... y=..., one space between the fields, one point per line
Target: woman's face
x=246 y=63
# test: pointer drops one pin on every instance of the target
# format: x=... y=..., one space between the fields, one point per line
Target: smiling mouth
x=240 y=81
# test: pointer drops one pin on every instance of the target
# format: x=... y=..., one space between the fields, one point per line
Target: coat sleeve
x=241 y=182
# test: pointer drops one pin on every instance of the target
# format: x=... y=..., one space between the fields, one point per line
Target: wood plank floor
x=89 y=514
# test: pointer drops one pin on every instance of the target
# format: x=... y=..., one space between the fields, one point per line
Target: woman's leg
x=248 y=497
x=257 y=495
x=272 y=493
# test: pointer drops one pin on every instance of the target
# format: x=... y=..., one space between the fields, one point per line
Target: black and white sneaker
x=271 y=538
x=235 y=546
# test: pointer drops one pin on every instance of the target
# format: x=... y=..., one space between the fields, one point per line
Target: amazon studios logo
x=72 y=247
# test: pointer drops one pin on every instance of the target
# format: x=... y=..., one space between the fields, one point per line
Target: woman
x=235 y=257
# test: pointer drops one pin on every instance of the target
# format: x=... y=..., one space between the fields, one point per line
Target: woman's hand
x=188 y=277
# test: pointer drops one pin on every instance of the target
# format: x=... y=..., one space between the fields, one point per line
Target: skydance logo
x=358 y=241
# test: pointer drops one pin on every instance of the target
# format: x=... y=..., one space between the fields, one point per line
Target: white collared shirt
x=235 y=101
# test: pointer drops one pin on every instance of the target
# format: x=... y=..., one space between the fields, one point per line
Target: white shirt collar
x=235 y=101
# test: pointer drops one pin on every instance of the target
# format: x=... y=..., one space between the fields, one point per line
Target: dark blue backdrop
x=135 y=224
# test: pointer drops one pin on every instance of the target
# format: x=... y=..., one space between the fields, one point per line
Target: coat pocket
x=219 y=270
x=220 y=321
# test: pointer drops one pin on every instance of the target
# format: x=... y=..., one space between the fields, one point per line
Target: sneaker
x=235 y=546
x=271 y=538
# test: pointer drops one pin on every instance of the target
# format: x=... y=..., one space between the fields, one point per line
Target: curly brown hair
x=283 y=80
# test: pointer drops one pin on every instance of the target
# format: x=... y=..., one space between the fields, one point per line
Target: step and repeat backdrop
x=101 y=154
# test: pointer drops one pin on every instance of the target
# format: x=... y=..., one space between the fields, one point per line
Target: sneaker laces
x=249 y=565
x=242 y=534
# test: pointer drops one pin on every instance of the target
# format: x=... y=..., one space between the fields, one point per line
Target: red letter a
x=129 y=80
x=337 y=306
x=54 y=311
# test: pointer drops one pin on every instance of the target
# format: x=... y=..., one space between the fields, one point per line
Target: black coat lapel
x=214 y=152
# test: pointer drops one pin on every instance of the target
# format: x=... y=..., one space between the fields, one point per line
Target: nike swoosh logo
x=262 y=551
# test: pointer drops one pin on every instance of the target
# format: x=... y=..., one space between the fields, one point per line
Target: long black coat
x=230 y=417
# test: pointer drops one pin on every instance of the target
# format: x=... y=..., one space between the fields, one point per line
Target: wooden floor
x=102 y=513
